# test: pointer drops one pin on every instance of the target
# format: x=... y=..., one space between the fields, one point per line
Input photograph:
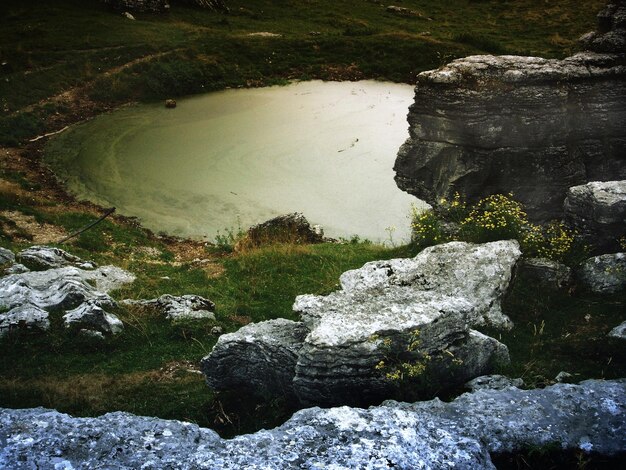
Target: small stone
x=91 y=334
x=493 y=382
x=16 y=269
x=217 y=330
x=128 y=16
x=563 y=377
x=171 y=104
x=182 y=307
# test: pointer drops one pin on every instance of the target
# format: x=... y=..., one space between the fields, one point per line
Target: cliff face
x=534 y=127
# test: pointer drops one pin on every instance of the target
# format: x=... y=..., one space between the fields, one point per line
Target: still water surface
x=239 y=157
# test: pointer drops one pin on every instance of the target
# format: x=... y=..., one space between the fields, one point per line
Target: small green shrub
x=427 y=229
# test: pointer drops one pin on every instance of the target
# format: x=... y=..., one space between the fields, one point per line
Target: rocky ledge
x=430 y=435
x=534 y=127
x=414 y=314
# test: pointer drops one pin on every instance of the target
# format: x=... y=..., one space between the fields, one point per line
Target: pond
x=230 y=159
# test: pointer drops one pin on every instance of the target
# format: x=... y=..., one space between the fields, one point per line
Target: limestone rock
x=6 y=256
x=54 y=289
x=429 y=302
x=24 y=316
x=597 y=210
x=182 y=307
x=402 y=11
x=171 y=104
x=291 y=228
x=434 y=434
x=604 y=274
x=40 y=258
x=217 y=5
x=493 y=382
x=547 y=273
x=479 y=274
x=619 y=331
x=535 y=127
x=260 y=357
x=89 y=315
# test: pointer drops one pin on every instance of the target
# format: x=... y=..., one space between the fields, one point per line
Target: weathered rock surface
x=6 y=256
x=604 y=274
x=40 y=258
x=382 y=308
x=534 y=127
x=181 y=307
x=89 y=315
x=29 y=297
x=493 y=382
x=429 y=435
x=619 y=331
x=260 y=356
x=597 y=210
x=547 y=273
x=25 y=316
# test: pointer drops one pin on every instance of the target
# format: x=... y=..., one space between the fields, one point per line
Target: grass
x=49 y=48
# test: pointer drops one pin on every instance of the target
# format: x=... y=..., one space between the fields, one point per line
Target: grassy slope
x=50 y=47
x=64 y=44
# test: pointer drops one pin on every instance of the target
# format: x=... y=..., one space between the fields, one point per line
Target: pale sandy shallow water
x=239 y=157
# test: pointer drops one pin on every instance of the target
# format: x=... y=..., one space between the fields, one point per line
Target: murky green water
x=240 y=157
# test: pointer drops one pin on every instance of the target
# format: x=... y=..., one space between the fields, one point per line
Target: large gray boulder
x=604 y=274
x=535 y=127
x=417 y=311
x=429 y=435
x=597 y=210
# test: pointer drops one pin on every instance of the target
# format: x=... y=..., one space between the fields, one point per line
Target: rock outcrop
x=431 y=435
x=79 y=292
x=619 y=332
x=597 y=211
x=417 y=311
x=534 y=127
x=604 y=274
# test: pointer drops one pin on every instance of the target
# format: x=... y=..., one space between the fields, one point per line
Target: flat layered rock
x=90 y=316
x=430 y=435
